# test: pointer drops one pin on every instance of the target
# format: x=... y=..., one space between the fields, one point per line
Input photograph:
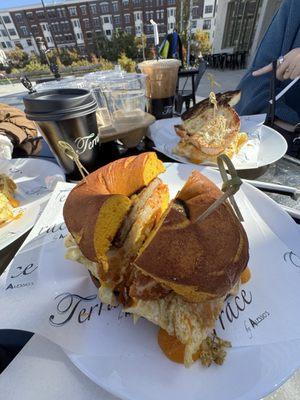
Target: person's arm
x=288 y=66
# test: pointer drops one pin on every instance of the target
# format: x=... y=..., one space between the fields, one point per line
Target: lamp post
x=43 y=49
x=50 y=27
x=143 y=44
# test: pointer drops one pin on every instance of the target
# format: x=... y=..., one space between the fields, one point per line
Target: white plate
x=249 y=373
x=35 y=180
x=270 y=147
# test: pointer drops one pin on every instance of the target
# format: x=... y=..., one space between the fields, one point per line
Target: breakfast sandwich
x=7 y=199
x=211 y=128
x=153 y=256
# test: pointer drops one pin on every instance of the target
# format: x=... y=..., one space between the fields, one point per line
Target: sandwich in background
x=211 y=128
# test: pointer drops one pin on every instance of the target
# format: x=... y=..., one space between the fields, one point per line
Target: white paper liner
x=43 y=292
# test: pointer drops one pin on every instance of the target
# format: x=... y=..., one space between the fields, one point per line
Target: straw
x=156 y=37
x=230 y=187
x=286 y=89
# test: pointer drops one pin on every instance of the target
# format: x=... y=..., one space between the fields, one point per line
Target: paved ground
x=228 y=80
x=13 y=93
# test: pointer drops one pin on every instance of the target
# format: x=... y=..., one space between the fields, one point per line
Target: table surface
x=41 y=364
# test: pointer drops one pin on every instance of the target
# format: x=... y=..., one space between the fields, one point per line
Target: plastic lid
x=161 y=63
x=58 y=104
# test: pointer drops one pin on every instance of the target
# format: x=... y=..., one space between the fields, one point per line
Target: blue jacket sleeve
x=282 y=36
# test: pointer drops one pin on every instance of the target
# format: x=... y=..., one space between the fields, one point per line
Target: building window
x=194 y=24
x=170 y=26
x=104 y=8
x=137 y=15
x=3 y=44
x=29 y=15
x=127 y=18
x=18 y=17
x=149 y=3
x=23 y=30
x=12 y=32
x=136 y=3
x=51 y=13
x=83 y=10
x=106 y=20
x=149 y=29
x=34 y=29
x=128 y=29
x=89 y=35
x=117 y=20
x=29 y=42
x=115 y=7
x=138 y=29
x=206 y=24
x=61 y=12
x=93 y=8
x=8 y=44
x=96 y=22
x=72 y=11
x=196 y=12
x=160 y=14
x=3 y=32
x=6 y=19
x=108 y=32
x=55 y=27
x=86 y=23
x=149 y=15
x=171 y=12
x=208 y=9
x=159 y=3
x=125 y=3
x=171 y=2
x=40 y=14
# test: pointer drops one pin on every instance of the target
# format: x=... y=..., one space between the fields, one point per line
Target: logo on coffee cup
x=167 y=110
x=86 y=143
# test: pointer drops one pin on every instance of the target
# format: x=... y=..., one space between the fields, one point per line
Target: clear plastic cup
x=125 y=99
x=64 y=83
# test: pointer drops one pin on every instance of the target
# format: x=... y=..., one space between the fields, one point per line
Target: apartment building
x=75 y=23
x=237 y=25
x=233 y=25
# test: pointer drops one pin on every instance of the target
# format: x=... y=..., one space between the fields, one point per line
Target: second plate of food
x=25 y=186
x=264 y=145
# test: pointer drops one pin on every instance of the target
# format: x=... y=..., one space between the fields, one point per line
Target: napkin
x=43 y=292
x=6 y=147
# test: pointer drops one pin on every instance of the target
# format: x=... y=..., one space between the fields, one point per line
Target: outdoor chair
x=186 y=95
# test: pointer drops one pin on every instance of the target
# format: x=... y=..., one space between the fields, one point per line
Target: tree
x=127 y=64
x=141 y=44
x=17 y=57
x=112 y=48
x=202 y=42
x=68 y=57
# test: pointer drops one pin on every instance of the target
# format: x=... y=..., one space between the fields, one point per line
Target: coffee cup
x=67 y=116
x=161 y=84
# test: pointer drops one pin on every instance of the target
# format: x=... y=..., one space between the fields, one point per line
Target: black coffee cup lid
x=58 y=104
